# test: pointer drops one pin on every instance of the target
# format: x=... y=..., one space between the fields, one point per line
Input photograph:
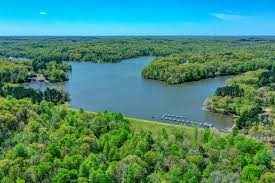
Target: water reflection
x=120 y=87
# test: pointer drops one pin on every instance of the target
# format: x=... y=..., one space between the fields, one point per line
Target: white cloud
x=229 y=17
x=43 y=13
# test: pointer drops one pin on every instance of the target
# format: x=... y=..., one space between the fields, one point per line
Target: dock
x=181 y=119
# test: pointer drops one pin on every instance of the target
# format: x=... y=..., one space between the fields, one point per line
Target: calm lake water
x=119 y=87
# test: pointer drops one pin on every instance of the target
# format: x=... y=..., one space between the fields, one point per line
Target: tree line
x=175 y=69
x=53 y=71
x=52 y=143
x=233 y=91
x=250 y=96
x=179 y=59
x=22 y=71
x=19 y=91
x=43 y=141
x=15 y=72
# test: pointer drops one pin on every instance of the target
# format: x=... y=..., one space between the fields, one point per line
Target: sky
x=136 y=17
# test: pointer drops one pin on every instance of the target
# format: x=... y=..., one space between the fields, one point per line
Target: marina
x=182 y=119
x=110 y=87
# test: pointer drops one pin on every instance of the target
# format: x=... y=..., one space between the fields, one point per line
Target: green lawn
x=156 y=127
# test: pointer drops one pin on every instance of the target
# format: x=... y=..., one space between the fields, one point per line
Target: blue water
x=119 y=87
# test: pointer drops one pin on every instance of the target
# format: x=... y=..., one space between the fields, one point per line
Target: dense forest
x=52 y=143
x=53 y=71
x=19 y=91
x=180 y=59
x=13 y=72
x=43 y=140
x=180 y=68
x=87 y=49
x=251 y=97
x=21 y=71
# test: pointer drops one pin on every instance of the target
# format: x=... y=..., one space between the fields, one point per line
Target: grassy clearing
x=156 y=127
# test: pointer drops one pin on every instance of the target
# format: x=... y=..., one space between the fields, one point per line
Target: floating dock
x=181 y=119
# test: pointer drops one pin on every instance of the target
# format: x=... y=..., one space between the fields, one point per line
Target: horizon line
x=183 y=35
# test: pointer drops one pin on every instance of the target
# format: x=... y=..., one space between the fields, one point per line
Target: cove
x=119 y=87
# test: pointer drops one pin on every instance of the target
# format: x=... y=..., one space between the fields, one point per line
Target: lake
x=119 y=87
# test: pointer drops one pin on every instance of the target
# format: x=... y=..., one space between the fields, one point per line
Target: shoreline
x=205 y=108
x=154 y=124
x=218 y=121
x=162 y=123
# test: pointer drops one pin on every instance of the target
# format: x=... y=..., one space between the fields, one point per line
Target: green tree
x=20 y=151
x=251 y=173
x=263 y=157
x=66 y=176
x=268 y=177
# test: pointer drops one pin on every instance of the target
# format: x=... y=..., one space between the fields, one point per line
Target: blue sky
x=137 y=17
